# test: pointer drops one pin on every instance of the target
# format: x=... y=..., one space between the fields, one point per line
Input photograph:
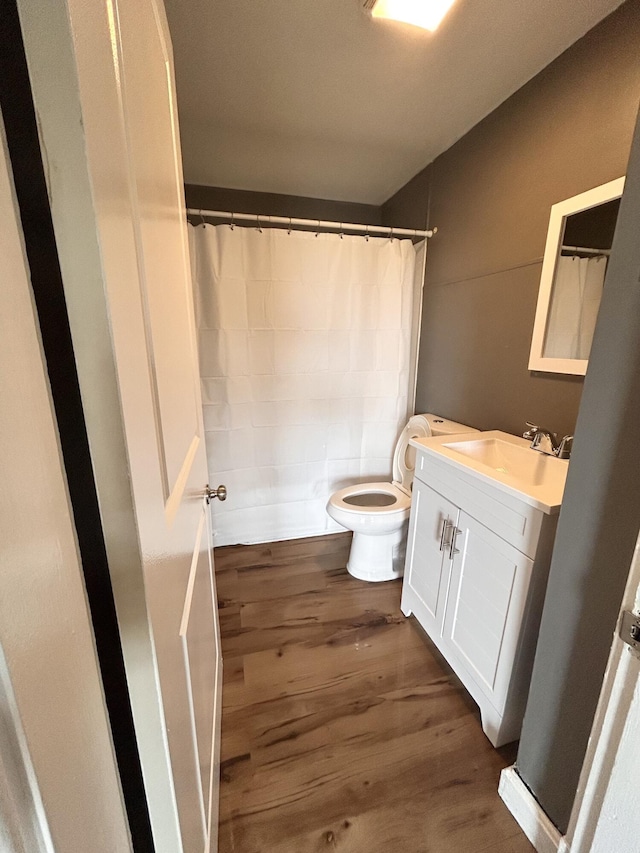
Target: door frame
x=16 y=102
x=618 y=687
x=74 y=55
x=51 y=46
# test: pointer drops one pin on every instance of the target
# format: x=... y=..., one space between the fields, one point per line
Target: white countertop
x=504 y=461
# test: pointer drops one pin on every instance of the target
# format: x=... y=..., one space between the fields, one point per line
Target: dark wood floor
x=342 y=728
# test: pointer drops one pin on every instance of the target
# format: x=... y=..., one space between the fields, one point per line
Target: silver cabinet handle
x=452 y=545
x=220 y=493
x=446 y=526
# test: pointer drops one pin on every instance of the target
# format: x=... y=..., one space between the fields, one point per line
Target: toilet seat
x=400 y=489
x=404 y=456
x=380 y=531
x=402 y=501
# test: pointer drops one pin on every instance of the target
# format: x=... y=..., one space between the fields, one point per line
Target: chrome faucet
x=545 y=441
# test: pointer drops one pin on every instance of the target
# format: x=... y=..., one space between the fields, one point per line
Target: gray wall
x=596 y=535
x=246 y=201
x=409 y=207
x=567 y=130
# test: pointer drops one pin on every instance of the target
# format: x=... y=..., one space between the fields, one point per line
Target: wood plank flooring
x=342 y=727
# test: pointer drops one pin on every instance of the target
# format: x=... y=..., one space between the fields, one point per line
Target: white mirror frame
x=576 y=204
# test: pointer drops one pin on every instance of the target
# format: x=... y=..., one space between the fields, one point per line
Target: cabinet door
x=487 y=598
x=428 y=564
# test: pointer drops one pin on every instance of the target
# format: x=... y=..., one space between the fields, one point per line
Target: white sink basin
x=508 y=462
x=507 y=458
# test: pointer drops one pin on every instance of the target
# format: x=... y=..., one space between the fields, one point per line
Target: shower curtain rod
x=320 y=224
x=585 y=250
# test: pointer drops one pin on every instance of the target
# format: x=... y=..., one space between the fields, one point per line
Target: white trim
x=528 y=814
x=619 y=682
x=22 y=814
x=416 y=324
x=606 y=732
x=583 y=201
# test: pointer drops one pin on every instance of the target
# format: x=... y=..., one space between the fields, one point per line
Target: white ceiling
x=314 y=98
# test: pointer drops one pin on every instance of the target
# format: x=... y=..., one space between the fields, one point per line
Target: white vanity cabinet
x=475 y=576
x=427 y=568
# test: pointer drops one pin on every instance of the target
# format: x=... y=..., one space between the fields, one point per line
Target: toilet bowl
x=378 y=513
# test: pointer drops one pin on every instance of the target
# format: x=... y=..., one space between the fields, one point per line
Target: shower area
x=308 y=347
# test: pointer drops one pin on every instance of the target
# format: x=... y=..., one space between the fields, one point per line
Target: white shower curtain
x=575 y=301
x=305 y=346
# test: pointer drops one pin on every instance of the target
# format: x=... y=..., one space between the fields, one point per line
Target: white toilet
x=378 y=513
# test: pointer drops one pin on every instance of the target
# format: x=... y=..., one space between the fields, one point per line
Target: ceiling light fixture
x=421 y=13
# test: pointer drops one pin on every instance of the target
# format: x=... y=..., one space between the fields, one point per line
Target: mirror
x=573 y=270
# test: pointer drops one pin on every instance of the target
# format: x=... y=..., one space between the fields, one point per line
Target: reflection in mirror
x=576 y=256
x=578 y=281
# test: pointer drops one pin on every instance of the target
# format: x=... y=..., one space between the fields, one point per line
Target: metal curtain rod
x=585 y=250
x=324 y=224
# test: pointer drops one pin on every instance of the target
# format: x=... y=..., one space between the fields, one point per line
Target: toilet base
x=378 y=558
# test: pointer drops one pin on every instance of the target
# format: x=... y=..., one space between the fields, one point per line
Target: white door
x=102 y=77
x=605 y=817
x=59 y=785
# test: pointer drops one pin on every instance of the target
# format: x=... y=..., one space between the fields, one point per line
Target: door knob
x=220 y=493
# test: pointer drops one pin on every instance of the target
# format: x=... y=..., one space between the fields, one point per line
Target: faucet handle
x=565 y=447
x=530 y=433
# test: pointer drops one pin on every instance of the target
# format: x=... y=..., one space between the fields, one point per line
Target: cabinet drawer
x=514 y=521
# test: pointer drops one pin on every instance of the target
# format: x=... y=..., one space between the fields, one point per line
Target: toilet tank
x=442 y=426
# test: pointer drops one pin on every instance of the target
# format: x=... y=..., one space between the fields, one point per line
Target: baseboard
x=532 y=819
